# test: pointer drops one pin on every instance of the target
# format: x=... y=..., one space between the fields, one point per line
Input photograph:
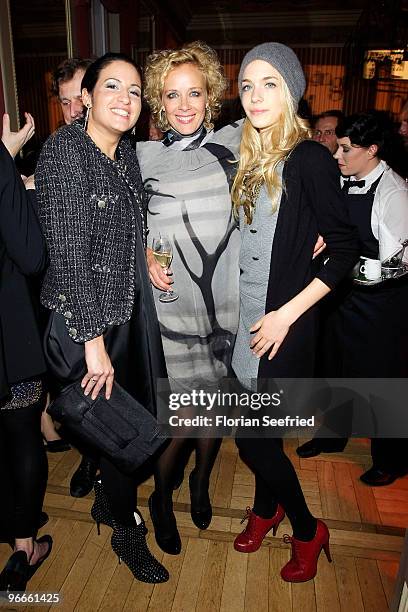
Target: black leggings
x=23 y=470
x=276 y=482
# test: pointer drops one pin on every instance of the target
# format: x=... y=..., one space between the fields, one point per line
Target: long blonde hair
x=260 y=155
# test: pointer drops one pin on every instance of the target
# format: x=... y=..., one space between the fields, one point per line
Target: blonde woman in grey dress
x=187 y=176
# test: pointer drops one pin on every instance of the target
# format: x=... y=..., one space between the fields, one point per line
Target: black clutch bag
x=120 y=427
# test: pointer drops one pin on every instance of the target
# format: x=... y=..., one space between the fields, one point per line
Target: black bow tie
x=348 y=184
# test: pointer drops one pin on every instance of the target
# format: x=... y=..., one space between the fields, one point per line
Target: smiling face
x=184 y=98
x=354 y=160
x=262 y=94
x=115 y=99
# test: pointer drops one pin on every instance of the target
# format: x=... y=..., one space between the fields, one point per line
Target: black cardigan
x=22 y=253
x=311 y=204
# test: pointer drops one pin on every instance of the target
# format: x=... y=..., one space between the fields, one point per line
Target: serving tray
x=399 y=272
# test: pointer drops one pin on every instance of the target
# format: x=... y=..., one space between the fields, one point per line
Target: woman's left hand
x=271 y=331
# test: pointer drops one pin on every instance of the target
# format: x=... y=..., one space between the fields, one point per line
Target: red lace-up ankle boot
x=251 y=538
x=303 y=563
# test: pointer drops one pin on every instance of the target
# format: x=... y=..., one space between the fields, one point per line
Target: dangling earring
x=133 y=132
x=207 y=118
x=88 y=108
x=162 y=117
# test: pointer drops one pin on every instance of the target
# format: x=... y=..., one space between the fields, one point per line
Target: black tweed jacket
x=92 y=213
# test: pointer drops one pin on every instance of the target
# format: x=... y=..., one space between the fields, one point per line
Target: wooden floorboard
x=348 y=586
x=367 y=526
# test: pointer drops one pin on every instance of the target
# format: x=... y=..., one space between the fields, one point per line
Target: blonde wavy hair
x=158 y=67
x=260 y=155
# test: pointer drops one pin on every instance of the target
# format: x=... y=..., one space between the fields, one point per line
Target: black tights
x=276 y=482
x=174 y=458
x=121 y=489
x=23 y=470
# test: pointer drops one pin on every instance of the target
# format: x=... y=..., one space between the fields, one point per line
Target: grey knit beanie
x=286 y=63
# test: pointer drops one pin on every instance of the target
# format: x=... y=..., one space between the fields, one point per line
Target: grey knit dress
x=190 y=202
x=254 y=262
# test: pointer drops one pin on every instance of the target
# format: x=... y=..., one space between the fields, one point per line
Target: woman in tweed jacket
x=102 y=322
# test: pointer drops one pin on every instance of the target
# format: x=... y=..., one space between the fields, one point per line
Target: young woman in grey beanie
x=285 y=193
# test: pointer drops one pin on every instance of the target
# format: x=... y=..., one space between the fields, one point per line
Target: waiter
x=365 y=331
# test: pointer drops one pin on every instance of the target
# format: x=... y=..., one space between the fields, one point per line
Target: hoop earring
x=88 y=108
x=207 y=118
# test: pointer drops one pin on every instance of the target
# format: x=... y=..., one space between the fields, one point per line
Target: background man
x=324 y=129
x=66 y=86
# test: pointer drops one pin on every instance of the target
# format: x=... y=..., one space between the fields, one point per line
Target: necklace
x=251 y=195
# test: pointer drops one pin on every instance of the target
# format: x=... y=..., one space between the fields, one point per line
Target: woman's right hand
x=100 y=370
x=157 y=274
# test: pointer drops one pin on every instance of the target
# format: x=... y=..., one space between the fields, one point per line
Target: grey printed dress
x=189 y=201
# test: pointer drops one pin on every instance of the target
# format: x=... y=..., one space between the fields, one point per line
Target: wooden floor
x=366 y=525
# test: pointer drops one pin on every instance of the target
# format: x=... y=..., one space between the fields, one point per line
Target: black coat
x=22 y=253
x=311 y=204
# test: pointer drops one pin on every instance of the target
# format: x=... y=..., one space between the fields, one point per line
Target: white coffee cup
x=370 y=268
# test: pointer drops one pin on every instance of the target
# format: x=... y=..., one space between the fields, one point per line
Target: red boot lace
x=294 y=543
x=247 y=515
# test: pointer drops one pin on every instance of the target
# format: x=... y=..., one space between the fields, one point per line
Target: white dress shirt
x=389 y=215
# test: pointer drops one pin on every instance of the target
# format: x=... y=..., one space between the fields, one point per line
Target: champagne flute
x=163 y=254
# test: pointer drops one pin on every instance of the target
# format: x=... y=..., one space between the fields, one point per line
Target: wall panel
x=33 y=85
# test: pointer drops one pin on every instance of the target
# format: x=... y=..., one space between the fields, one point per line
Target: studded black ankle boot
x=129 y=543
x=100 y=510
